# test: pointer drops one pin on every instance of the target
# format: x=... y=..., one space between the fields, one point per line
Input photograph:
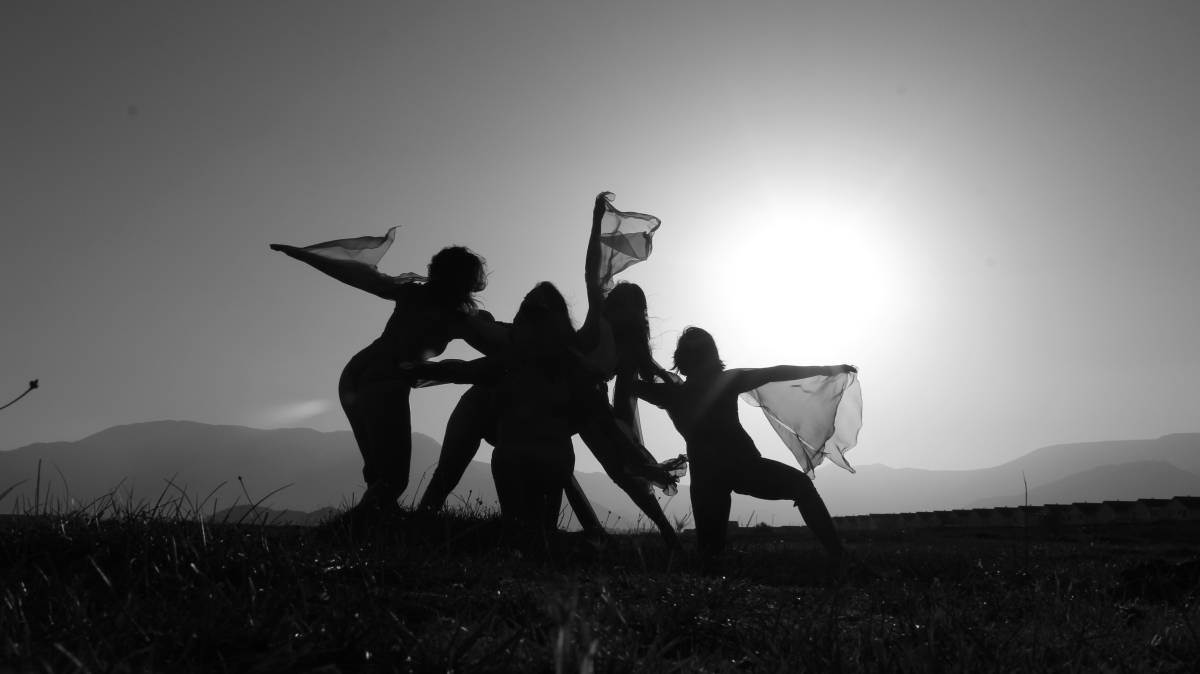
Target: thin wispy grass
x=126 y=585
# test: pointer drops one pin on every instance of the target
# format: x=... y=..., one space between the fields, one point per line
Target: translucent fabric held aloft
x=817 y=417
x=625 y=239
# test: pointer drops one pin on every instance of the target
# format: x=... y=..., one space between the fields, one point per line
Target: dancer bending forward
x=722 y=457
x=428 y=313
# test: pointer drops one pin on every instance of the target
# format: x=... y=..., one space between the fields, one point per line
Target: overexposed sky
x=993 y=209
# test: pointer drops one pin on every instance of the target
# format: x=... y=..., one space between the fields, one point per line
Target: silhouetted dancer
x=538 y=380
x=429 y=312
x=474 y=420
x=723 y=458
x=623 y=455
x=616 y=240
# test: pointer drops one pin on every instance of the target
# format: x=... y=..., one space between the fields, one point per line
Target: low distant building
x=1163 y=509
x=1129 y=512
x=1056 y=515
x=1190 y=506
x=887 y=521
x=1029 y=516
x=867 y=523
x=1004 y=517
x=929 y=520
x=955 y=518
x=977 y=517
x=862 y=522
x=1094 y=513
x=1050 y=516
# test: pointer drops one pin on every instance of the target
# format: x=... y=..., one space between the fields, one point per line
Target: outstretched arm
x=751 y=378
x=484 y=333
x=454 y=371
x=591 y=261
x=357 y=274
x=653 y=393
x=591 y=275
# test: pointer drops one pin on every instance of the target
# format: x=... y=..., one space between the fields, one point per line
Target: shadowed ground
x=137 y=592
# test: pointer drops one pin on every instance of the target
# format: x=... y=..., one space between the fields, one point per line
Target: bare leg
x=767 y=479
x=381 y=424
x=583 y=508
x=471 y=421
x=529 y=487
x=517 y=505
x=613 y=448
x=643 y=497
x=816 y=516
x=710 y=509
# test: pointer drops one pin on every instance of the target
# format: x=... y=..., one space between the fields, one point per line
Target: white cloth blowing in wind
x=365 y=250
x=625 y=240
x=368 y=250
x=817 y=417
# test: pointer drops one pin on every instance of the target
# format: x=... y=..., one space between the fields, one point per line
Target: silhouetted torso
x=704 y=411
x=418 y=329
x=534 y=408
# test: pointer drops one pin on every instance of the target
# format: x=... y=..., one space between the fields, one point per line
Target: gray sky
x=991 y=208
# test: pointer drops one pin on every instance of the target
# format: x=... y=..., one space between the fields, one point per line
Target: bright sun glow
x=814 y=261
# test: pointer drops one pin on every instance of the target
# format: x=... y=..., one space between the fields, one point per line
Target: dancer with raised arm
x=616 y=241
x=613 y=432
x=428 y=312
x=723 y=458
x=620 y=327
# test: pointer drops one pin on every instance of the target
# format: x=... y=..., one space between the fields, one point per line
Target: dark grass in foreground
x=138 y=592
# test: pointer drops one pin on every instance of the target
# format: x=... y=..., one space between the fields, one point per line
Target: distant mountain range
x=248 y=514
x=1119 y=482
x=313 y=470
x=1055 y=474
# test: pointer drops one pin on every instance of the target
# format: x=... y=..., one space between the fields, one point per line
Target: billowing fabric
x=817 y=417
x=368 y=250
x=625 y=239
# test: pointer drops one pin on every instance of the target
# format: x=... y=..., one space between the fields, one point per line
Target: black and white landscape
x=309 y=470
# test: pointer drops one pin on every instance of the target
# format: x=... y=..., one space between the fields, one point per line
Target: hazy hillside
x=1122 y=482
x=878 y=488
x=324 y=470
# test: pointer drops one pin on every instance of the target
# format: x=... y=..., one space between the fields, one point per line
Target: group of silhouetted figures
x=540 y=381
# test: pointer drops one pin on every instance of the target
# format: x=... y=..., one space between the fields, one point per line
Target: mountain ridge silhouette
x=323 y=469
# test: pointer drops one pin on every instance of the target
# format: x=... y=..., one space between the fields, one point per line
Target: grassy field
x=138 y=592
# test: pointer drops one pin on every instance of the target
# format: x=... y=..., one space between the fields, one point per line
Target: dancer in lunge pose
x=428 y=312
x=723 y=458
